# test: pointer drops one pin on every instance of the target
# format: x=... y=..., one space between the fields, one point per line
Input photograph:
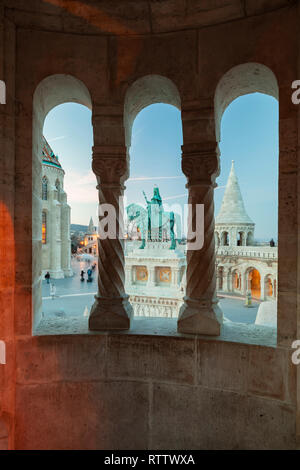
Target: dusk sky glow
x=249 y=136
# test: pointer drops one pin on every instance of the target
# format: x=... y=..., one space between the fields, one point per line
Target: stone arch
x=224 y=238
x=50 y=92
x=241 y=80
x=240 y=238
x=236 y=280
x=45 y=183
x=145 y=91
x=253 y=282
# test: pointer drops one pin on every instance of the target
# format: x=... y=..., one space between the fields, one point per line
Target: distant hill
x=78 y=228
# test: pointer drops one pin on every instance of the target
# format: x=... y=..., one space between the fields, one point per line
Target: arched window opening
x=44 y=227
x=225 y=239
x=269 y=288
x=254 y=283
x=240 y=239
x=236 y=280
x=154 y=199
x=53 y=137
x=246 y=117
x=44 y=188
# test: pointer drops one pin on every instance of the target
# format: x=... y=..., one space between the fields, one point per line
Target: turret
x=233 y=226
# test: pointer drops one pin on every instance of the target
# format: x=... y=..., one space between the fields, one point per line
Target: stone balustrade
x=263 y=252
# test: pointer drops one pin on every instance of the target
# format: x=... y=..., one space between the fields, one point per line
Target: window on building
x=44 y=227
x=44 y=188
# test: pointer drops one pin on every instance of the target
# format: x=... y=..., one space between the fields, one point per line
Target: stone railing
x=263 y=252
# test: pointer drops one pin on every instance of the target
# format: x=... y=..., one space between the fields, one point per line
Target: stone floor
x=75 y=298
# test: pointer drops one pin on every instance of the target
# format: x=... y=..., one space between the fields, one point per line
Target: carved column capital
x=110 y=164
x=201 y=166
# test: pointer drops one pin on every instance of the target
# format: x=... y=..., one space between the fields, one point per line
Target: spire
x=232 y=208
x=91 y=228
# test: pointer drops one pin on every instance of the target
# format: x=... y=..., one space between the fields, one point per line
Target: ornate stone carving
x=109 y=169
x=111 y=309
x=200 y=167
x=200 y=312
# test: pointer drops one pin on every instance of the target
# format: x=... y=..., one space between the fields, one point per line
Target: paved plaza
x=75 y=298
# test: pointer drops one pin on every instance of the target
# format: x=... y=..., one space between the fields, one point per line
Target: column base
x=200 y=317
x=110 y=314
x=55 y=274
x=68 y=272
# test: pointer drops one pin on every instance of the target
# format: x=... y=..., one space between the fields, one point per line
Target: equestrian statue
x=154 y=223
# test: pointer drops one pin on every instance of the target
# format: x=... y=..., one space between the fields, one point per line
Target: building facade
x=154 y=279
x=242 y=264
x=56 y=242
x=90 y=240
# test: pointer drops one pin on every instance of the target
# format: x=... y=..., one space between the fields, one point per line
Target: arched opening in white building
x=62 y=141
x=236 y=280
x=246 y=199
x=225 y=239
x=254 y=283
x=155 y=196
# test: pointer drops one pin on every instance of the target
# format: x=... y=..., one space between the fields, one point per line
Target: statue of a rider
x=155 y=211
x=155 y=219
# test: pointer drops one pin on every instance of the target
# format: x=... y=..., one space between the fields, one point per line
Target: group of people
x=89 y=273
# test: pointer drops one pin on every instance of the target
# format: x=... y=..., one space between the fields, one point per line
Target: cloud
x=81 y=187
x=57 y=138
x=168 y=198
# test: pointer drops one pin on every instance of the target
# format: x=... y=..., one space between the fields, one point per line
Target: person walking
x=89 y=273
x=82 y=275
x=47 y=277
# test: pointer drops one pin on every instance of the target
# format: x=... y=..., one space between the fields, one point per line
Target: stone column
x=243 y=283
x=151 y=276
x=128 y=277
x=65 y=238
x=225 y=280
x=262 y=288
x=200 y=312
x=111 y=309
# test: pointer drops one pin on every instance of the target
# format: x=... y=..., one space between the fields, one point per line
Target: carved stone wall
x=242 y=383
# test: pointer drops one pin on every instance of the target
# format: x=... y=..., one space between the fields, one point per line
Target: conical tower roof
x=232 y=208
x=91 y=227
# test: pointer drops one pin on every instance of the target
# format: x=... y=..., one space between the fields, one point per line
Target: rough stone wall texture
x=118 y=391
x=139 y=392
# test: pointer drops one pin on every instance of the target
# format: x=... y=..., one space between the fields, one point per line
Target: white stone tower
x=233 y=226
x=56 y=242
x=91 y=227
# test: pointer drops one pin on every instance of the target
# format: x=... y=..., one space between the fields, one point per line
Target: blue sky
x=249 y=136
